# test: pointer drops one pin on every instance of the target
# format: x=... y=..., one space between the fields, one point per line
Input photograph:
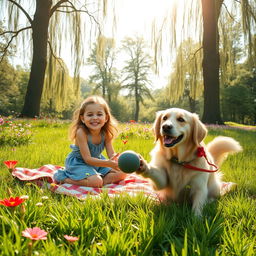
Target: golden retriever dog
x=180 y=159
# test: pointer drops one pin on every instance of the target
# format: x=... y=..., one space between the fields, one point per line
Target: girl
x=93 y=129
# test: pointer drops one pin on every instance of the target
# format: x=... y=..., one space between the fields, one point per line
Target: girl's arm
x=82 y=143
x=109 y=148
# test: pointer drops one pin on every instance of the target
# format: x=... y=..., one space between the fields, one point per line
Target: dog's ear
x=199 y=130
x=156 y=125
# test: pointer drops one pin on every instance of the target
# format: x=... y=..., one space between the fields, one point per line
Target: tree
x=211 y=61
x=136 y=71
x=186 y=78
x=239 y=99
x=105 y=76
x=205 y=27
x=50 y=31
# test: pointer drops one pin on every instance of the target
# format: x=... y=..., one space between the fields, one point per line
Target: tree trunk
x=40 y=25
x=211 y=62
x=137 y=103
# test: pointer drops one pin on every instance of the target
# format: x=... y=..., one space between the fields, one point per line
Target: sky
x=134 y=17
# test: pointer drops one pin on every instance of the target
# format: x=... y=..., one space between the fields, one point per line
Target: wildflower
x=132 y=121
x=12 y=202
x=1 y=121
x=35 y=233
x=71 y=239
x=124 y=141
x=45 y=197
x=10 y=164
x=39 y=204
x=25 y=197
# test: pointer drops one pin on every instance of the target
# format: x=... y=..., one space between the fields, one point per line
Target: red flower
x=132 y=121
x=10 y=164
x=35 y=233
x=124 y=141
x=12 y=202
x=71 y=239
x=200 y=152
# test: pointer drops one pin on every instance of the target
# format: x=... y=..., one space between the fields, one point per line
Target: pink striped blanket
x=131 y=185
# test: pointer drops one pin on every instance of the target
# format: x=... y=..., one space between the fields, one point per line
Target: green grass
x=127 y=225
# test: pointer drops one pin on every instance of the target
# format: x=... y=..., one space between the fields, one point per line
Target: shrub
x=14 y=133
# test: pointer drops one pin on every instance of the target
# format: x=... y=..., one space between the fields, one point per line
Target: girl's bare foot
x=113 y=177
x=94 y=181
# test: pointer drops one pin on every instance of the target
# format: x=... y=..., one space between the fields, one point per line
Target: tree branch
x=56 y=6
x=55 y=57
x=74 y=9
x=250 y=10
x=9 y=43
x=23 y=10
x=229 y=14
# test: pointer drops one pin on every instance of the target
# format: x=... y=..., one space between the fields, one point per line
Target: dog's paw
x=143 y=165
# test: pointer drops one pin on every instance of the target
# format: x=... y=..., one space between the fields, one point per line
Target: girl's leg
x=94 y=181
x=114 y=176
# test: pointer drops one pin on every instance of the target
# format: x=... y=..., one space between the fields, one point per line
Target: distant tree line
x=203 y=69
x=130 y=87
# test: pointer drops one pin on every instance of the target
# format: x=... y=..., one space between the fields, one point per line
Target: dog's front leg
x=199 y=193
x=157 y=175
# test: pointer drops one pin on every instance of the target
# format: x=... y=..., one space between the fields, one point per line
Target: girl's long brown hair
x=110 y=126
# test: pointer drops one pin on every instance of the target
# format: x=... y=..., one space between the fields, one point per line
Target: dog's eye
x=180 y=119
x=165 y=118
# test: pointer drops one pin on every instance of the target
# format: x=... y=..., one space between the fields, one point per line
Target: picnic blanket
x=132 y=184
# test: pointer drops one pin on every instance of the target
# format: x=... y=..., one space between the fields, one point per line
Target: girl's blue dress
x=75 y=166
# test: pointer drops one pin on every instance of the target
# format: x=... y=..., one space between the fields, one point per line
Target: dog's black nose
x=167 y=127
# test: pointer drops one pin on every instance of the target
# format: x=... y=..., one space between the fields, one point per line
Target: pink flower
x=10 y=164
x=35 y=233
x=1 y=121
x=71 y=239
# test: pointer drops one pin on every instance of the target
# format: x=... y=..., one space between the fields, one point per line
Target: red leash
x=200 y=153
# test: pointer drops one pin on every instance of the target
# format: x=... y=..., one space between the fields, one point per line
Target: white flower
x=39 y=204
x=24 y=197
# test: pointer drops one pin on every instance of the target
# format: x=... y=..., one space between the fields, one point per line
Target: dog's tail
x=221 y=146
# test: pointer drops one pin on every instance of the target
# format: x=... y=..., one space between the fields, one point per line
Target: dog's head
x=176 y=126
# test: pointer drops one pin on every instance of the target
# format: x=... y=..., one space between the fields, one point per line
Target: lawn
x=124 y=225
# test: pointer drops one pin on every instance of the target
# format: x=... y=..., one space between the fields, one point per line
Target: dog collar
x=200 y=153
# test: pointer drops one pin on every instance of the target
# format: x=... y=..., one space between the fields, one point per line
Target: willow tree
x=136 y=71
x=53 y=27
x=104 y=75
x=205 y=27
x=187 y=74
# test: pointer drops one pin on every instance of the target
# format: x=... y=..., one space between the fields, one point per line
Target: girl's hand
x=113 y=164
x=115 y=157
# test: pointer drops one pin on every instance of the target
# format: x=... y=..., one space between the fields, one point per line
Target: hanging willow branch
x=71 y=22
x=190 y=26
x=5 y=49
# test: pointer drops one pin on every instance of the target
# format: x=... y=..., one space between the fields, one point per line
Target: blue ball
x=129 y=161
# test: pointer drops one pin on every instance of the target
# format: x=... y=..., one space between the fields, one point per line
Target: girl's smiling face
x=94 y=117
